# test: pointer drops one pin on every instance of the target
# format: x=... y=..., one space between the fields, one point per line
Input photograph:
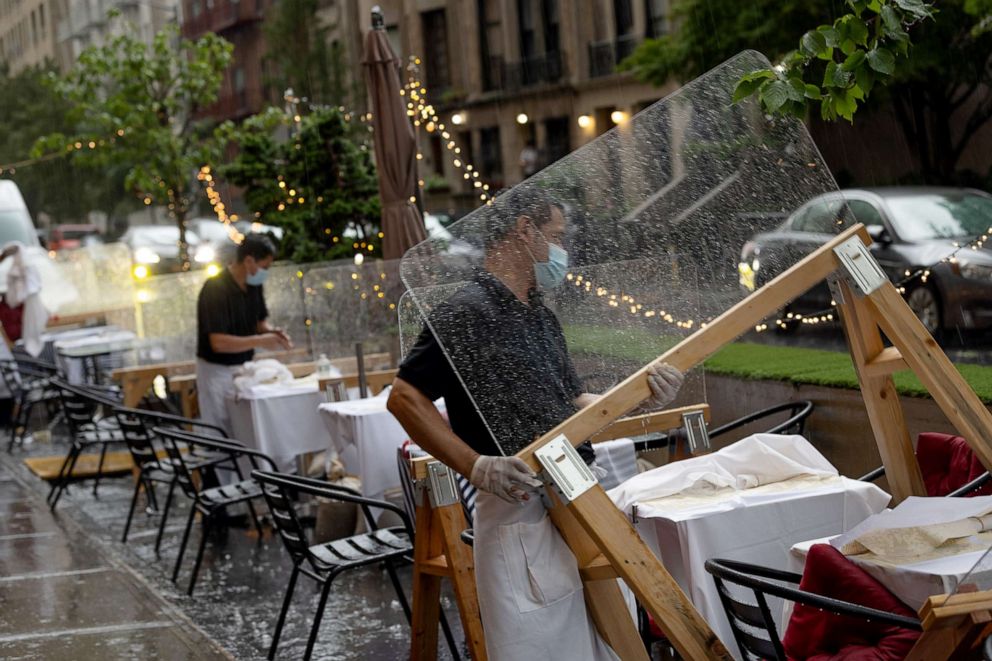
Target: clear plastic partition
x=285 y=301
x=350 y=303
x=653 y=216
x=165 y=310
x=101 y=275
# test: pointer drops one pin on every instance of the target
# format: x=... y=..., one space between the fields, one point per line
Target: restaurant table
x=758 y=525
x=366 y=436
x=49 y=338
x=84 y=358
x=280 y=420
x=912 y=582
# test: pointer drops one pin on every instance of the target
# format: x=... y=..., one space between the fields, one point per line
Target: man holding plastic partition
x=232 y=321
x=511 y=349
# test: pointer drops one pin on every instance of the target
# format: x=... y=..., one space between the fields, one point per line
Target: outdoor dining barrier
x=656 y=212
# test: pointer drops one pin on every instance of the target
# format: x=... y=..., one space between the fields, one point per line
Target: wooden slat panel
x=887 y=361
x=949 y=389
x=646 y=576
x=881 y=399
x=649 y=423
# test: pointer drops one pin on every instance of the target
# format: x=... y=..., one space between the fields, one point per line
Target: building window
x=623 y=15
x=558 y=144
x=41 y=20
x=490 y=44
x=437 y=154
x=490 y=154
x=656 y=13
x=436 y=49
x=549 y=14
x=34 y=29
x=528 y=29
x=195 y=8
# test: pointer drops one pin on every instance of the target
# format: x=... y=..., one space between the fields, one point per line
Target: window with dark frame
x=558 y=143
x=436 y=65
x=490 y=154
x=656 y=14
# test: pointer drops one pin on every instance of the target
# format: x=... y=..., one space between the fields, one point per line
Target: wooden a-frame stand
x=604 y=542
x=439 y=553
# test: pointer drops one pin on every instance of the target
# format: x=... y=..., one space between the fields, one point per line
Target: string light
x=424 y=114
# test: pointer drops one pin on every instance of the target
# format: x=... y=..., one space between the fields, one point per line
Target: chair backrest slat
x=290 y=529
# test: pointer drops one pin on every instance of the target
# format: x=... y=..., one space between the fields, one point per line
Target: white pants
x=214 y=384
x=530 y=593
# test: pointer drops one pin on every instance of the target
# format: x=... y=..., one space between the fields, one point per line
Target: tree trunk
x=183 y=246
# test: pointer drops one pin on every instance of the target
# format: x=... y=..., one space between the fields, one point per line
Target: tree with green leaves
x=319 y=184
x=937 y=64
x=304 y=58
x=135 y=106
x=49 y=186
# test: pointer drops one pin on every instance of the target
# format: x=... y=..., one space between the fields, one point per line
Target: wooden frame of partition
x=605 y=543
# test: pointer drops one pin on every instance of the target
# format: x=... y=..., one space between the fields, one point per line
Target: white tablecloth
x=757 y=525
x=72 y=351
x=281 y=421
x=366 y=436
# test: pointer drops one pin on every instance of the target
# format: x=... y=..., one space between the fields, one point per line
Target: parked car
x=156 y=248
x=213 y=236
x=912 y=228
x=67 y=237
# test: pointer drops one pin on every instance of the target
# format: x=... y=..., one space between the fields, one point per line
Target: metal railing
x=604 y=56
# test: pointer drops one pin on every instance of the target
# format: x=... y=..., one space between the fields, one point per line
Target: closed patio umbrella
x=395 y=145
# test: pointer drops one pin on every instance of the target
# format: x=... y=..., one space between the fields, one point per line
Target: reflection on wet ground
x=63 y=597
x=237 y=598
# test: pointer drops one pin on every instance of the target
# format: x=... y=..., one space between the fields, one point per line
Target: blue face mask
x=551 y=273
x=258 y=277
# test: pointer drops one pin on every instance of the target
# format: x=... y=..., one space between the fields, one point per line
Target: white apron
x=214 y=384
x=530 y=593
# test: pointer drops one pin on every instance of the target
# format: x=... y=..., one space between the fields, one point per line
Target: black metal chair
x=749 y=620
x=181 y=447
x=89 y=416
x=30 y=384
x=136 y=427
x=323 y=562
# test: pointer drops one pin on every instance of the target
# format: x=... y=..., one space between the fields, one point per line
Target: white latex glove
x=510 y=478
x=665 y=382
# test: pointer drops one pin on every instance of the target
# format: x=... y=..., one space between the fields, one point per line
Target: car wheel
x=924 y=304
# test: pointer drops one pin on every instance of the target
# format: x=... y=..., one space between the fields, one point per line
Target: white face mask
x=258 y=277
x=551 y=273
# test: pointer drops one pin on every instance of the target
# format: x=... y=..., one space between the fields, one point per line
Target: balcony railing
x=512 y=76
x=224 y=15
x=604 y=56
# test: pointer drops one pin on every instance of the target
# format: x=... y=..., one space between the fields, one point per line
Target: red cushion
x=11 y=319
x=947 y=463
x=815 y=635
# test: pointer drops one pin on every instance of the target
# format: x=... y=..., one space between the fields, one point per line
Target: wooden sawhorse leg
x=440 y=553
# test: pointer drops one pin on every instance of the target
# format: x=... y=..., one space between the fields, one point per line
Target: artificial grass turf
x=747 y=360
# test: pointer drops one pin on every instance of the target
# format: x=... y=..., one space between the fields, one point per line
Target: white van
x=15 y=221
x=16 y=225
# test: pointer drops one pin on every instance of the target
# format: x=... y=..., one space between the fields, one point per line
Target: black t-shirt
x=223 y=307
x=519 y=381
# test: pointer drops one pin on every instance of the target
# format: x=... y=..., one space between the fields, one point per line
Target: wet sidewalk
x=63 y=597
x=70 y=589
